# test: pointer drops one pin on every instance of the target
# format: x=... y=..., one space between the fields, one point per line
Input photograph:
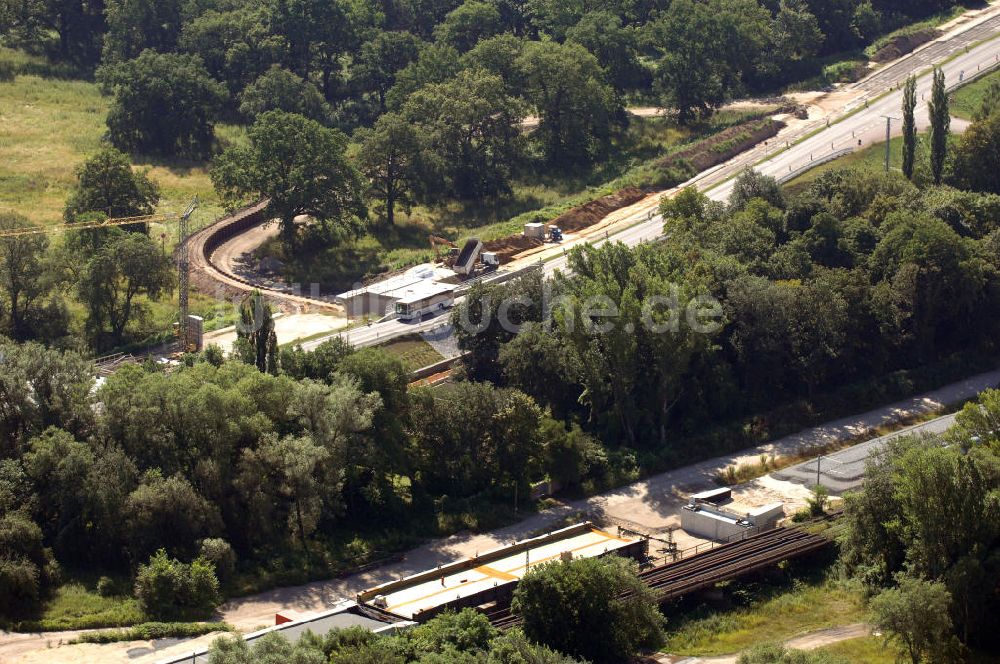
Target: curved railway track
x=213 y=279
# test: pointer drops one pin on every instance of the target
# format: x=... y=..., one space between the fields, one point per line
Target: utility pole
x=888 y=139
x=819 y=459
x=183 y=275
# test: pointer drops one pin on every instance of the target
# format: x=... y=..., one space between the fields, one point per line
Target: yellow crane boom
x=183 y=265
x=86 y=225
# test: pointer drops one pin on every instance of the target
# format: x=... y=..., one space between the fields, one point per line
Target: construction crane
x=183 y=262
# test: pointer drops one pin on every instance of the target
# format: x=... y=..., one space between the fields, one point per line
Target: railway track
x=730 y=561
x=722 y=563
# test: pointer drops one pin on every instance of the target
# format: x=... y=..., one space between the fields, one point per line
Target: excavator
x=440 y=242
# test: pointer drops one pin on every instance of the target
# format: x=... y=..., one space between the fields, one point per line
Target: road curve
x=211 y=278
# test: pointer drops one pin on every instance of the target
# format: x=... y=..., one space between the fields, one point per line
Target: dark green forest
x=225 y=476
x=431 y=91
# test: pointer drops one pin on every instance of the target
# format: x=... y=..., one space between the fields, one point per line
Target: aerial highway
x=845 y=470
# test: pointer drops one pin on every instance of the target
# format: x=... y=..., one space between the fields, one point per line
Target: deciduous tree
x=107 y=183
x=164 y=104
x=113 y=280
x=567 y=90
x=300 y=167
x=909 y=126
x=940 y=125
x=605 y=613
x=392 y=156
x=278 y=89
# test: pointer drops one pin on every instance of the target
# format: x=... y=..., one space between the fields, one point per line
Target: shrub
x=218 y=552
x=152 y=630
x=7 y=71
x=169 y=589
x=27 y=569
x=106 y=587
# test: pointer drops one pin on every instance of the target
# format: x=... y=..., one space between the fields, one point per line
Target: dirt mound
x=588 y=214
x=508 y=247
x=579 y=218
x=902 y=44
x=723 y=146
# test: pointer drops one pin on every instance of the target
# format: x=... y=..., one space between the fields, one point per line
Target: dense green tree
x=319 y=33
x=115 y=280
x=568 y=92
x=278 y=89
x=380 y=60
x=606 y=614
x=925 y=276
x=168 y=511
x=688 y=35
x=978 y=423
x=909 y=126
x=42 y=388
x=60 y=469
x=137 y=25
x=473 y=437
x=797 y=35
x=472 y=129
x=317 y=364
x=976 y=156
x=236 y=46
x=77 y=27
x=924 y=511
x=382 y=452
x=940 y=125
x=256 y=342
x=751 y=184
x=436 y=63
x=25 y=279
x=300 y=167
x=554 y=17
x=480 y=328
x=168 y=589
x=541 y=365
x=969 y=213
x=107 y=183
x=615 y=45
x=164 y=103
x=499 y=55
x=281 y=477
x=467 y=24
x=392 y=157
x=27 y=570
x=915 y=616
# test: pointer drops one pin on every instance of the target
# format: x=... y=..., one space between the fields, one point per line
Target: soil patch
x=900 y=45
x=723 y=146
x=579 y=218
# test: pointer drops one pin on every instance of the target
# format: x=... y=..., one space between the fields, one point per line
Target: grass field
x=76 y=606
x=413 y=352
x=871 y=157
x=50 y=125
x=804 y=605
x=965 y=101
x=866 y=650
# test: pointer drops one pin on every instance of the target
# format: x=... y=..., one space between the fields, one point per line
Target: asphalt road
x=845 y=470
